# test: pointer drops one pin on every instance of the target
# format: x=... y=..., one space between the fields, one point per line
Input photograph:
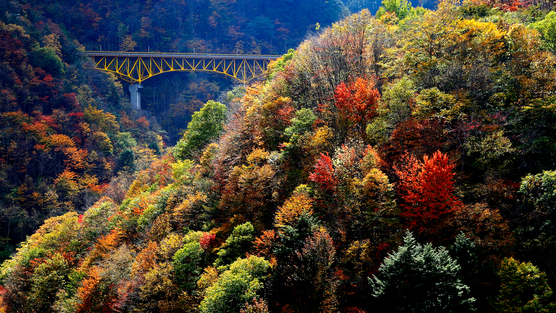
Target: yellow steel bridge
x=136 y=67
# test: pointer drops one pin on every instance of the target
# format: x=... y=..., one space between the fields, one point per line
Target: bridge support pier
x=135 y=96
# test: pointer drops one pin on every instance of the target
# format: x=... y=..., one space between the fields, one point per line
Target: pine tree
x=420 y=278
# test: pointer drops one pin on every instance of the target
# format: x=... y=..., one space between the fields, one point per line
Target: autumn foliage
x=324 y=175
x=357 y=101
x=381 y=150
x=427 y=190
x=61 y=139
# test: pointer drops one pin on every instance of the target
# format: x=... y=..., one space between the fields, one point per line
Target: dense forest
x=65 y=131
x=400 y=160
x=219 y=26
x=68 y=134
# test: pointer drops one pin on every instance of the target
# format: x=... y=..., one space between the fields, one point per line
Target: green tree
x=420 y=278
x=46 y=58
x=401 y=8
x=236 y=286
x=301 y=123
x=395 y=107
x=206 y=125
x=126 y=161
x=236 y=244
x=547 y=28
x=46 y=280
x=186 y=265
x=260 y=27
x=124 y=140
x=535 y=219
x=524 y=288
x=538 y=196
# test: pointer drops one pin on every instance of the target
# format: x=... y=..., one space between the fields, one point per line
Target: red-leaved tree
x=427 y=190
x=357 y=101
x=324 y=175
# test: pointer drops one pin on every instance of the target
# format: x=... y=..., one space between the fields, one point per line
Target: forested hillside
x=68 y=134
x=200 y=26
x=65 y=132
x=401 y=162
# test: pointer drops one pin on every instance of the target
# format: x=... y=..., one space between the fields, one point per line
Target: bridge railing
x=180 y=55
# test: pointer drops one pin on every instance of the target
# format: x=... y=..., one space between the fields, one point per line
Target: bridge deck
x=180 y=55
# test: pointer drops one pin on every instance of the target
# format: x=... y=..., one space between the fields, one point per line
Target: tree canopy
x=401 y=161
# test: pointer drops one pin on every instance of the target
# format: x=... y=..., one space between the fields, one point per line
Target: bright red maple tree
x=427 y=190
x=357 y=101
x=324 y=175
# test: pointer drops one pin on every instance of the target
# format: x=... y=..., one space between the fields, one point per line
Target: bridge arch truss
x=138 y=67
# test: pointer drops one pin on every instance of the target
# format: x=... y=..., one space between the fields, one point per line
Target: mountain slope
x=63 y=129
x=377 y=152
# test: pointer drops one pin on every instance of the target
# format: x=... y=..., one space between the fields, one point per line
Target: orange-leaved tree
x=427 y=190
x=356 y=101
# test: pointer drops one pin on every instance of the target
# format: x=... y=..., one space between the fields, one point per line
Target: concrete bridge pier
x=135 y=96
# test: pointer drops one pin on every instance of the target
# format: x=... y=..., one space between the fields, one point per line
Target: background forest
x=218 y=26
x=402 y=159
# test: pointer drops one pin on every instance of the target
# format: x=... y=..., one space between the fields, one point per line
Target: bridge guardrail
x=181 y=55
